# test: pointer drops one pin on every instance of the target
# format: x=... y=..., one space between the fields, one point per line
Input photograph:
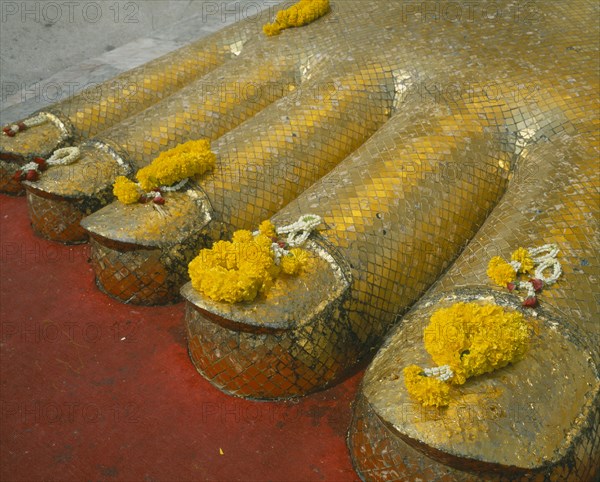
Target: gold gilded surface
x=151 y=225
x=57 y=215
x=85 y=178
x=337 y=338
x=188 y=114
x=88 y=113
x=322 y=271
x=18 y=150
x=130 y=268
x=56 y=219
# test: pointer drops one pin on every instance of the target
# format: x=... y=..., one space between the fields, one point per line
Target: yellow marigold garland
x=234 y=271
x=523 y=257
x=268 y=229
x=183 y=161
x=501 y=272
x=126 y=191
x=466 y=340
x=294 y=262
x=428 y=391
x=240 y=269
x=302 y=13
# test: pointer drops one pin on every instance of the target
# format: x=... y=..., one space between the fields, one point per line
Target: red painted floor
x=96 y=390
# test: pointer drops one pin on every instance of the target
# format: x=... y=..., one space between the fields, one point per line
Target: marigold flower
x=500 y=271
x=294 y=262
x=523 y=256
x=429 y=391
x=268 y=229
x=126 y=190
x=185 y=160
x=242 y=236
x=241 y=269
x=299 y=14
x=474 y=339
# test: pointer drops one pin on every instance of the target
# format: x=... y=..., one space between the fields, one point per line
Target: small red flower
x=530 y=302
x=32 y=175
x=537 y=284
x=41 y=162
x=10 y=133
x=22 y=126
x=18 y=175
x=159 y=200
x=6 y=130
x=511 y=287
x=281 y=244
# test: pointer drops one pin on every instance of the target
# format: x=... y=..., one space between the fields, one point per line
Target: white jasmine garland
x=547 y=260
x=297 y=232
x=60 y=157
x=443 y=373
x=31 y=122
x=175 y=187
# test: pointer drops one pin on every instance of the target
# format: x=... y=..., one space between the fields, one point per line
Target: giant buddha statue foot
x=269 y=159
x=396 y=212
x=537 y=417
x=262 y=164
x=88 y=113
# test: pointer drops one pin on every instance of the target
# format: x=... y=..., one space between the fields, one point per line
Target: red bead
x=530 y=302
x=32 y=175
x=22 y=126
x=511 y=286
x=18 y=175
x=159 y=200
